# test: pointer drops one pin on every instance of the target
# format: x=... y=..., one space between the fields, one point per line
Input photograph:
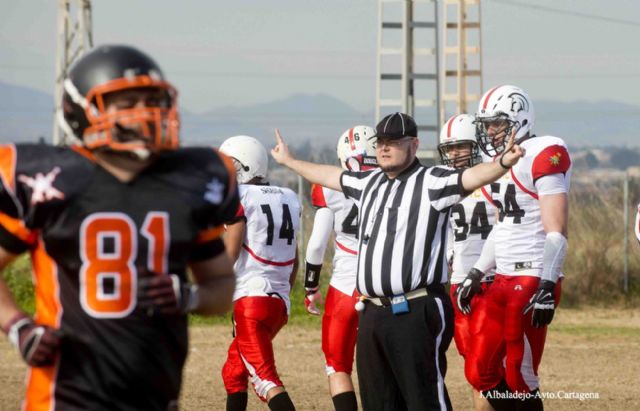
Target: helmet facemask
x=469 y=160
x=139 y=130
x=495 y=144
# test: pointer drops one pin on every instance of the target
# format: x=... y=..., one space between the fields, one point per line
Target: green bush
x=18 y=278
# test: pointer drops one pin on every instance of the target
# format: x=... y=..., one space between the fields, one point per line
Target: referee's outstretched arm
x=485 y=173
x=322 y=174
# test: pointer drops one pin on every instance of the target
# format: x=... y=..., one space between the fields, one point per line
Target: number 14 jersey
x=268 y=252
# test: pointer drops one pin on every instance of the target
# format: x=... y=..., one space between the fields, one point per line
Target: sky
x=243 y=52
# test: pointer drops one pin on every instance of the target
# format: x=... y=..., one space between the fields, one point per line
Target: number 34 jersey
x=520 y=236
x=471 y=221
x=268 y=251
x=91 y=237
x=345 y=226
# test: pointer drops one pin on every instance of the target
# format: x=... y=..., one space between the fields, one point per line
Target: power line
x=570 y=13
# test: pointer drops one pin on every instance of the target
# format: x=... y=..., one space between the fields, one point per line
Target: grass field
x=589 y=351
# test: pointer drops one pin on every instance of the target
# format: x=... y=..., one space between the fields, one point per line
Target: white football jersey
x=519 y=237
x=471 y=222
x=345 y=227
x=269 y=248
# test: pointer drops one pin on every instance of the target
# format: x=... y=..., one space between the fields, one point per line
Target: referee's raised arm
x=322 y=174
x=485 y=173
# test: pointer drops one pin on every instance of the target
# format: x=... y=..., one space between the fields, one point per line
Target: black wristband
x=312 y=275
x=502 y=164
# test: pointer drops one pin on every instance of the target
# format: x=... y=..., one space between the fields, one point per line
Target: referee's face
x=394 y=155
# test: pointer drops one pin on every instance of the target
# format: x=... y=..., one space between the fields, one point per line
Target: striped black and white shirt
x=402 y=226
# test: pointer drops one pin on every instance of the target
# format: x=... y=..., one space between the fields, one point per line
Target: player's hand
x=313 y=297
x=166 y=294
x=543 y=304
x=469 y=287
x=280 y=152
x=512 y=152
x=38 y=344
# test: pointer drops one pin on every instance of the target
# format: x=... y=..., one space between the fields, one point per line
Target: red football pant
x=257 y=320
x=462 y=322
x=339 y=331
x=499 y=330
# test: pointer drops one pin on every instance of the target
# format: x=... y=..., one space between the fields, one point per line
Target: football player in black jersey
x=112 y=223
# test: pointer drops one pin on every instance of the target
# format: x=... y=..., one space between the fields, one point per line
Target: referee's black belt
x=417 y=293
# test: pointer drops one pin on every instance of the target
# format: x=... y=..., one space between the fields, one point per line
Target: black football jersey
x=91 y=237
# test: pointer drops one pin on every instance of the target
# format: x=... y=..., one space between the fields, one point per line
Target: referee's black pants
x=401 y=358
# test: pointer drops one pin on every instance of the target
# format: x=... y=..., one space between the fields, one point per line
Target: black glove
x=469 y=287
x=38 y=344
x=166 y=294
x=543 y=304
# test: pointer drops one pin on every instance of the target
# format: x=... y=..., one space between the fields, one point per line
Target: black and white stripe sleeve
x=353 y=182
x=445 y=186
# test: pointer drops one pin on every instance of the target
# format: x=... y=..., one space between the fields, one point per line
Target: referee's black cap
x=396 y=126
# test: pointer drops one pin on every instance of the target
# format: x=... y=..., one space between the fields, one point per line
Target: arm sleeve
x=322 y=226
x=487 y=259
x=553 y=159
x=449 y=243
x=445 y=186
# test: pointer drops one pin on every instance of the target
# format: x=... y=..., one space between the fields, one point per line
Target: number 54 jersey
x=520 y=236
x=91 y=237
x=268 y=252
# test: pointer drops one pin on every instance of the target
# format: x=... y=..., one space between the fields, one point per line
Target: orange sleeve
x=210 y=234
x=8 y=166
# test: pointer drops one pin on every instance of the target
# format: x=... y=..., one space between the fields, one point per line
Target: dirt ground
x=589 y=352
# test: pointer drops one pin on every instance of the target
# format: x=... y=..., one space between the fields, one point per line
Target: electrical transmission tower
x=408 y=56
x=74 y=39
x=462 y=60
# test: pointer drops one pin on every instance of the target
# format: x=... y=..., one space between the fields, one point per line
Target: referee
x=407 y=322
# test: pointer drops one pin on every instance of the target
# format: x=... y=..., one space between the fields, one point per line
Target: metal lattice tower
x=408 y=56
x=74 y=39
x=462 y=58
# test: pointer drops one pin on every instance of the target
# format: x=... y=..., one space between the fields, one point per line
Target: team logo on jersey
x=555 y=159
x=215 y=192
x=42 y=186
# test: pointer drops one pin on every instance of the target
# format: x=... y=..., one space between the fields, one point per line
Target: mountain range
x=318 y=119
